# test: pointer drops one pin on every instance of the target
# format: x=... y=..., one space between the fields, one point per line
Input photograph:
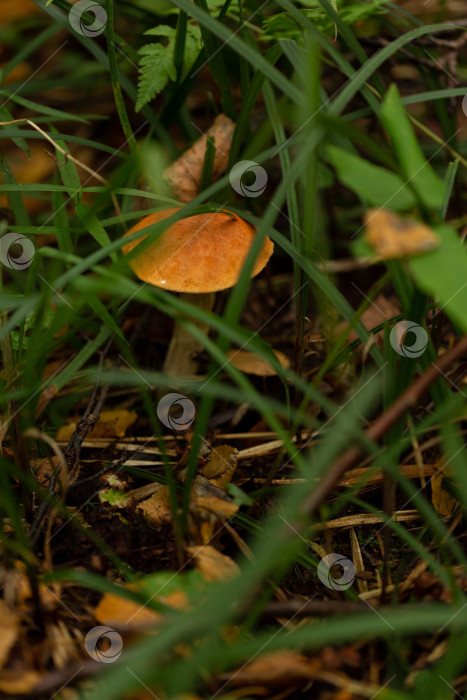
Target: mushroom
x=197 y=256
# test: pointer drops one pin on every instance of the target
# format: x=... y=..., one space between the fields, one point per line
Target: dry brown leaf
x=9 y=627
x=209 y=503
x=443 y=502
x=157 y=508
x=221 y=465
x=113 y=423
x=382 y=309
x=44 y=468
x=213 y=565
x=250 y=363
x=184 y=176
x=394 y=237
x=45 y=398
x=219 y=507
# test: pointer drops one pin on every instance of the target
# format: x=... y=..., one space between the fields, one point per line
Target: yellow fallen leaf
x=112 y=609
x=156 y=508
x=113 y=423
x=250 y=363
x=392 y=236
x=65 y=432
x=212 y=564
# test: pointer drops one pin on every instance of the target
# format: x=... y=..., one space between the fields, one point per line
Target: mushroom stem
x=181 y=359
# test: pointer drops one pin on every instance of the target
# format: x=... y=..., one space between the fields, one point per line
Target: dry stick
x=61 y=475
x=84 y=427
x=406 y=401
x=381 y=425
x=313 y=608
x=389 y=505
x=88 y=421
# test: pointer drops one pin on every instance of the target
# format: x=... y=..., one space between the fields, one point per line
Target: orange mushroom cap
x=200 y=254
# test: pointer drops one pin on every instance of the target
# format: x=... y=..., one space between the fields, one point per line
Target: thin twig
x=382 y=424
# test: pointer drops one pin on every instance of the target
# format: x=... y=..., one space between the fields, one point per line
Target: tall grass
x=312 y=92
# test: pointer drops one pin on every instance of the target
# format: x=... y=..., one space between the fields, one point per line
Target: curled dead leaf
x=221 y=465
x=209 y=503
x=184 y=175
x=44 y=468
x=157 y=508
